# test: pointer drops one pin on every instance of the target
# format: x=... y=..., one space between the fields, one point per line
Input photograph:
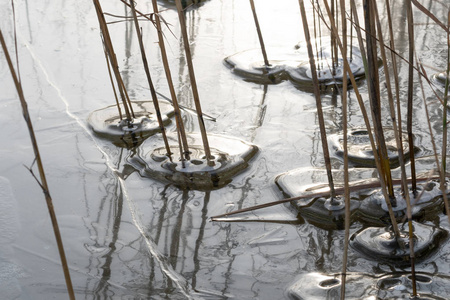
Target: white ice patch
x=10 y=226
x=9 y=220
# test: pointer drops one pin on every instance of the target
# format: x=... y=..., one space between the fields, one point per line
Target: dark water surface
x=129 y=237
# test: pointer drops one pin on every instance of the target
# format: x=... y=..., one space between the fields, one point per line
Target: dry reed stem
x=339 y=191
x=260 y=37
x=112 y=81
x=358 y=33
x=150 y=82
x=198 y=107
x=113 y=60
x=395 y=71
x=179 y=122
x=187 y=109
x=445 y=124
x=429 y=14
x=323 y=135
x=43 y=183
x=369 y=131
x=374 y=95
x=410 y=22
x=430 y=131
x=397 y=133
x=346 y=175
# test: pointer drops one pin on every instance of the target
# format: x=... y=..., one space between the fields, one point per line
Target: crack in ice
x=179 y=280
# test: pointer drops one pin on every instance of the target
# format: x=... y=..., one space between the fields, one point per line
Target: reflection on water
x=133 y=237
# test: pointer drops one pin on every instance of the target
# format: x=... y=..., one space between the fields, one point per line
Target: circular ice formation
x=293 y=64
x=439 y=80
x=250 y=65
x=329 y=72
x=325 y=214
x=230 y=156
x=320 y=210
x=367 y=202
x=360 y=152
x=108 y=124
x=315 y=286
x=380 y=243
x=427 y=201
x=398 y=285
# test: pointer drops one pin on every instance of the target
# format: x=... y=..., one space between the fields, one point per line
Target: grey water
x=129 y=237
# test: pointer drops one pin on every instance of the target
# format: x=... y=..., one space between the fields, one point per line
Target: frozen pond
x=132 y=237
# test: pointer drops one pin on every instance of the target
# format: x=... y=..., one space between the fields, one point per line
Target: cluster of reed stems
x=371 y=43
x=111 y=60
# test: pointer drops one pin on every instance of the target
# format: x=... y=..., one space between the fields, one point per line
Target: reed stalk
x=334 y=50
x=198 y=107
x=427 y=115
x=430 y=15
x=187 y=109
x=358 y=33
x=150 y=82
x=374 y=96
x=443 y=184
x=397 y=134
x=442 y=175
x=323 y=135
x=395 y=72
x=260 y=37
x=112 y=81
x=369 y=131
x=43 y=180
x=179 y=121
x=339 y=191
x=346 y=176
x=113 y=60
x=410 y=22
x=445 y=108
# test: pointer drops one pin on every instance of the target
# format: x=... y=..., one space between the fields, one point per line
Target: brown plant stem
x=198 y=107
x=43 y=183
x=338 y=191
x=409 y=118
x=113 y=60
x=374 y=96
x=397 y=134
x=150 y=82
x=179 y=121
x=367 y=123
x=396 y=77
x=112 y=82
x=260 y=37
x=323 y=134
x=345 y=137
x=445 y=124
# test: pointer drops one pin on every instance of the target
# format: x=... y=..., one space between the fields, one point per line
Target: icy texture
x=359 y=286
x=107 y=123
x=439 y=80
x=360 y=152
x=231 y=156
x=9 y=221
x=293 y=64
x=426 y=203
x=380 y=244
x=10 y=226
